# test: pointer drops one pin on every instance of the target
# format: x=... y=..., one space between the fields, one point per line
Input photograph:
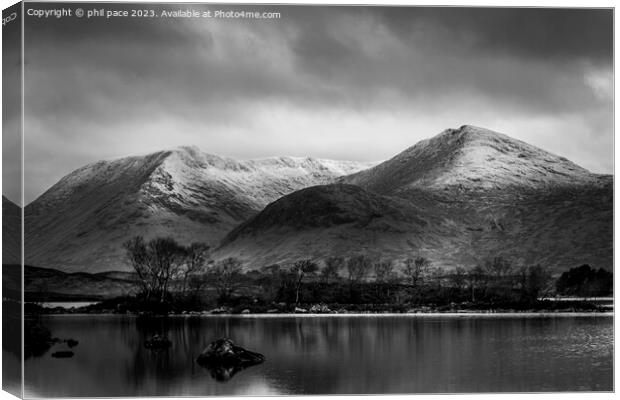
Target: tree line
x=172 y=274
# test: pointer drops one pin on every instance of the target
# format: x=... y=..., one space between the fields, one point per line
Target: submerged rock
x=158 y=342
x=223 y=358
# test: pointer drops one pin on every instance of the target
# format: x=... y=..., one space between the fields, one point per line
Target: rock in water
x=225 y=351
x=158 y=342
x=223 y=358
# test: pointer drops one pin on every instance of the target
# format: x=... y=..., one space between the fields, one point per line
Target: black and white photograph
x=219 y=199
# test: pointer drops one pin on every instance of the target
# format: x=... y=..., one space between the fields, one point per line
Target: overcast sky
x=339 y=82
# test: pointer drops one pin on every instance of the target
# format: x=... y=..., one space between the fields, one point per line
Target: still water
x=330 y=355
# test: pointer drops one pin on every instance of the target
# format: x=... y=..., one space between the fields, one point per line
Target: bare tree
x=332 y=267
x=156 y=263
x=458 y=278
x=498 y=268
x=168 y=257
x=436 y=277
x=137 y=256
x=303 y=268
x=475 y=279
x=272 y=281
x=383 y=271
x=196 y=258
x=533 y=281
x=384 y=276
x=226 y=274
x=499 y=277
x=415 y=271
x=358 y=267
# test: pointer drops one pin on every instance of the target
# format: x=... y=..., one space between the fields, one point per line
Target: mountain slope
x=42 y=284
x=471 y=158
x=320 y=221
x=558 y=230
x=80 y=223
x=479 y=194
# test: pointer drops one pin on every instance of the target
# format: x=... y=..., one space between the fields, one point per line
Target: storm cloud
x=358 y=83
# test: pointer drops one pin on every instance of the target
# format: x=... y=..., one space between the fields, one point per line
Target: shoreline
x=367 y=315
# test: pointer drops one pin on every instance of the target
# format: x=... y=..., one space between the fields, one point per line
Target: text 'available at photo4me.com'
x=146 y=12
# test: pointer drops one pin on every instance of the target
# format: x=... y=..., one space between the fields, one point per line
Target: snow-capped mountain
x=471 y=158
x=80 y=223
x=460 y=198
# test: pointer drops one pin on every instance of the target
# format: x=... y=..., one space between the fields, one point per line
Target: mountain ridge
x=524 y=204
x=457 y=198
x=471 y=158
x=81 y=222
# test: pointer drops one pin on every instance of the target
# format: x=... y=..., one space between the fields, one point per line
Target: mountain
x=471 y=158
x=11 y=232
x=42 y=284
x=320 y=221
x=460 y=198
x=80 y=223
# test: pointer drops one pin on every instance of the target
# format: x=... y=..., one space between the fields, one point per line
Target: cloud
x=536 y=33
x=11 y=112
x=341 y=82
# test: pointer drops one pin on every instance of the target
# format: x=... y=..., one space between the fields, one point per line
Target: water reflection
x=223 y=373
x=329 y=355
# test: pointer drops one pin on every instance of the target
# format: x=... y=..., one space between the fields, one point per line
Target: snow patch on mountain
x=471 y=158
x=256 y=183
